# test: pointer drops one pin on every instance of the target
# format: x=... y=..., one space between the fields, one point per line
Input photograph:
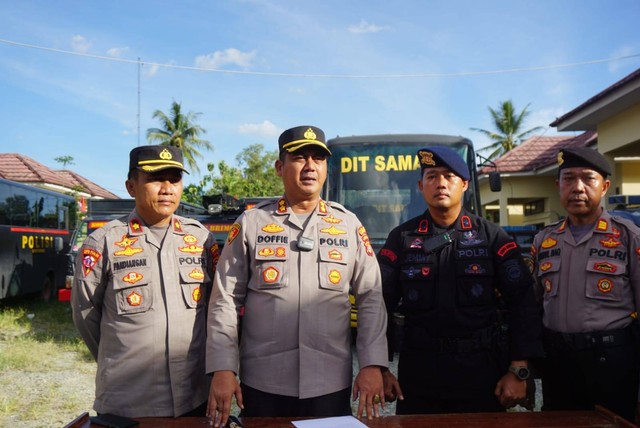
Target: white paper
x=337 y=422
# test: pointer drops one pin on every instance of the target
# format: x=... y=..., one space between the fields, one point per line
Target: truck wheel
x=47 y=289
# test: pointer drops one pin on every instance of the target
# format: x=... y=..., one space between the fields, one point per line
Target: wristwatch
x=521 y=372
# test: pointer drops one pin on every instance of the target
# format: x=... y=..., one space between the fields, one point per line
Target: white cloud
x=228 y=56
x=150 y=70
x=80 y=44
x=543 y=118
x=264 y=129
x=364 y=27
x=117 y=52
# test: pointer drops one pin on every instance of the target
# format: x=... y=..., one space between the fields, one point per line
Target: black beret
x=155 y=158
x=583 y=157
x=440 y=156
x=301 y=136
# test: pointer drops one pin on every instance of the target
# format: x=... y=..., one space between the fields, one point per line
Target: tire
x=48 y=289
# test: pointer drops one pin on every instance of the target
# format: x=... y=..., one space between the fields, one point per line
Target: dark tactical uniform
x=591 y=292
x=452 y=355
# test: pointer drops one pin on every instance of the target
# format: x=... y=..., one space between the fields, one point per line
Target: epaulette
x=628 y=223
x=336 y=206
x=265 y=203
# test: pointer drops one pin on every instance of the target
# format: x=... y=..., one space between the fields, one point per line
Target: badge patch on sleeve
x=506 y=248
x=362 y=232
x=233 y=232
x=90 y=259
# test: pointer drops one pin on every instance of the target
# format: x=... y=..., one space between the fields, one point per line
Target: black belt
x=588 y=340
x=419 y=338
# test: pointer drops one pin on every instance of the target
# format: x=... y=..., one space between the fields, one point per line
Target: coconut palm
x=507 y=135
x=180 y=130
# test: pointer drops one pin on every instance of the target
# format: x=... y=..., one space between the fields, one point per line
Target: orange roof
x=538 y=152
x=17 y=167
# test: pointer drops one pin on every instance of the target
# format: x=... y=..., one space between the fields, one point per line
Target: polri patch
x=90 y=259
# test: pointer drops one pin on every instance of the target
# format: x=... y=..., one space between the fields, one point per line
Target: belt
x=418 y=338
x=588 y=340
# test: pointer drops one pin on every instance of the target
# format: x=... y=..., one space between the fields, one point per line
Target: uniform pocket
x=271 y=266
x=548 y=272
x=419 y=291
x=191 y=283
x=132 y=291
x=333 y=269
x=604 y=279
x=475 y=284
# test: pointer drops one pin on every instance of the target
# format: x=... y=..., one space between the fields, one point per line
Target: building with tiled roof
x=23 y=169
x=611 y=124
x=528 y=173
x=539 y=152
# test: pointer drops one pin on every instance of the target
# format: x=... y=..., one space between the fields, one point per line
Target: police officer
x=445 y=269
x=139 y=297
x=291 y=262
x=587 y=266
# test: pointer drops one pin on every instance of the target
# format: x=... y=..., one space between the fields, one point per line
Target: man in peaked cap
x=139 y=296
x=442 y=270
x=587 y=270
x=291 y=262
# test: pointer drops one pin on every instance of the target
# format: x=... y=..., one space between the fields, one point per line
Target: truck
x=217 y=213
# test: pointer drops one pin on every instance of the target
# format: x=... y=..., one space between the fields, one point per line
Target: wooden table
x=599 y=417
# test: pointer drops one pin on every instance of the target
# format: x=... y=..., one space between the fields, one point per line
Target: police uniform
x=451 y=286
x=139 y=303
x=293 y=280
x=590 y=292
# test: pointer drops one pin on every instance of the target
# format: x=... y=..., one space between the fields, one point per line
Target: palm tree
x=508 y=125
x=180 y=130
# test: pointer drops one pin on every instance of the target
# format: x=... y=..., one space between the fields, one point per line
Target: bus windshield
x=376 y=177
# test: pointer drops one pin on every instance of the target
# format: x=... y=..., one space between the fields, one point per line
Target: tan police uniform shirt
x=295 y=329
x=593 y=284
x=140 y=306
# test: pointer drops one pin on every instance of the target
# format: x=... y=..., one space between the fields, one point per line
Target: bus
x=34 y=231
x=376 y=177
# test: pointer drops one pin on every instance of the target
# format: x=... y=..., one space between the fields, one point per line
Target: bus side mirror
x=495 y=184
x=58 y=244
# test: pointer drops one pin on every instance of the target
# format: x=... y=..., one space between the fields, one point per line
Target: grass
x=40 y=353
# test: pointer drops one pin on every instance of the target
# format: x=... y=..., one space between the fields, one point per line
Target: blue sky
x=252 y=68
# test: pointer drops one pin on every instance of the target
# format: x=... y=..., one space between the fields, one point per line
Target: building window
x=534 y=207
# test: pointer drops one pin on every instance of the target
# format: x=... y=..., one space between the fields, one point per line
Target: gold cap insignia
x=166 y=155
x=426 y=158
x=309 y=134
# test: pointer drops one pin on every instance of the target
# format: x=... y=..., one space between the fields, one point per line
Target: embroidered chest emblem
x=126 y=243
x=191 y=246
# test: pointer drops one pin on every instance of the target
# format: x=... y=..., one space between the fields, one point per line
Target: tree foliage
x=64 y=160
x=508 y=125
x=180 y=130
x=254 y=175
